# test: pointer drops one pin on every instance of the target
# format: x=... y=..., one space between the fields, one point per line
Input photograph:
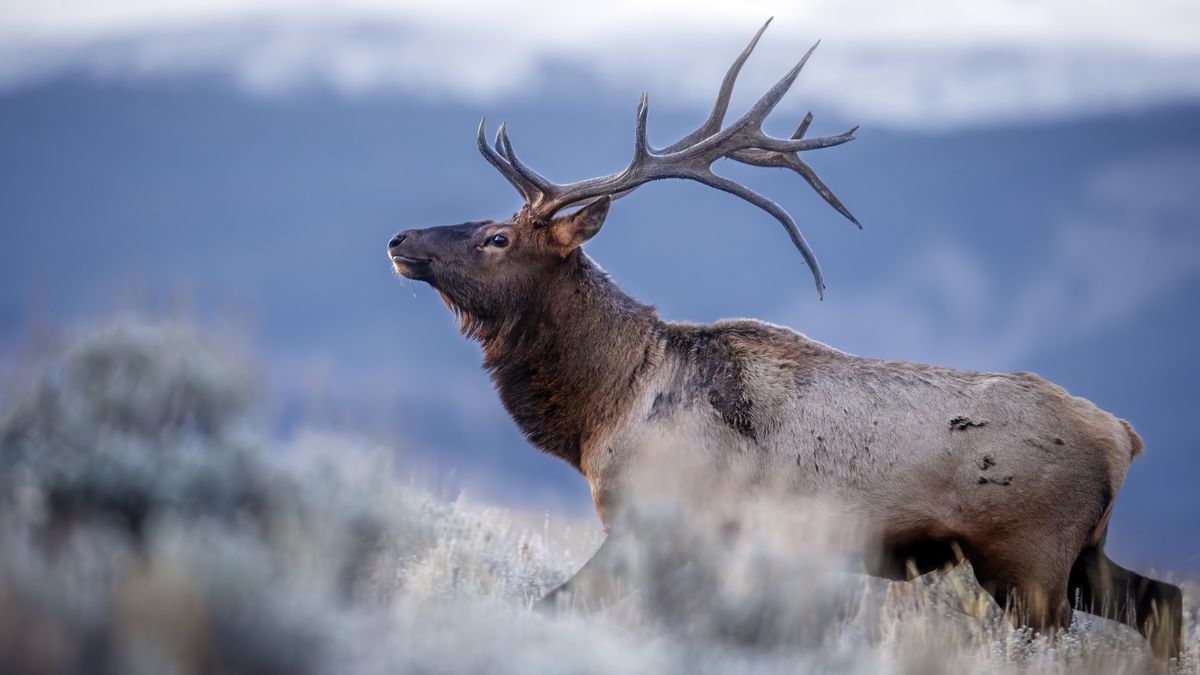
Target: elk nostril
x=397 y=240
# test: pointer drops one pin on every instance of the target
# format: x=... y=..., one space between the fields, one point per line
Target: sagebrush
x=148 y=524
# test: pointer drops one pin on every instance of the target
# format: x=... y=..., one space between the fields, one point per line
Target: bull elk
x=1007 y=471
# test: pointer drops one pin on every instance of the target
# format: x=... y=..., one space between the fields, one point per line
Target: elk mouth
x=412 y=268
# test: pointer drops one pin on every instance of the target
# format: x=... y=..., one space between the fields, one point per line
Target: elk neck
x=570 y=363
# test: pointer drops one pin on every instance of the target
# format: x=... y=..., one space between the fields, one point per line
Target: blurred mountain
x=1070 y=249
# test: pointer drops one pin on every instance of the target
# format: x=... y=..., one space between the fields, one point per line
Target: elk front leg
x=600 y=583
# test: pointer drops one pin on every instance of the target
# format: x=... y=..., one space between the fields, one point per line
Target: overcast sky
x=918 y=63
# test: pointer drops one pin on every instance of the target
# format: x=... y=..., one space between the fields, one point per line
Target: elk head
x=486 y=269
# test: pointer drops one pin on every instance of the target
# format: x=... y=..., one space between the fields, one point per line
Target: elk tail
x=1135 y=442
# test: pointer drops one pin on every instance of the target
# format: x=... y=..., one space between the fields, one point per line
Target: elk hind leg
x=1039 y=606
x=1101 y=587
x=1031 y=595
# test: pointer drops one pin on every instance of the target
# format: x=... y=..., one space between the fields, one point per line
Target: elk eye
x=498 y=240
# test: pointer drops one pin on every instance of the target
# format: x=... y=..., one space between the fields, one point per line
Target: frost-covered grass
x=148 y=526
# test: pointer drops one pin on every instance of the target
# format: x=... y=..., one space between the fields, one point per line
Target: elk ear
x=572 y=230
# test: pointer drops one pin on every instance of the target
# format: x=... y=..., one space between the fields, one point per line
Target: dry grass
x=147 y=527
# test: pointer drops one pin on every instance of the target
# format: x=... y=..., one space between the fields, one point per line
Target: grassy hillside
x=148 y=525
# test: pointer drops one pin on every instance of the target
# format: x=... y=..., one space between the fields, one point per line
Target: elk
x=1008 y=471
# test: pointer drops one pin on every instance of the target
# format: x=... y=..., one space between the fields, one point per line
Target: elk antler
x=690 y=158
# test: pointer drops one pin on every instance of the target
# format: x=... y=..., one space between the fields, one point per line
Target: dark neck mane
x=564 y=367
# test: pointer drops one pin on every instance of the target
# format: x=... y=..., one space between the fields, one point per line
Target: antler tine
x=739 y=190
x=494 y=158
x=806 y=172
x=747 y=130
x=538 y=181
x=799 y=145
x=785 y=160
x=750 y=124
x=641 y=147
x=803 y=128
x=713 y=124
x=767 y=102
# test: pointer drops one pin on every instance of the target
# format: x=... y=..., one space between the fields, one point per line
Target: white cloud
x=916 y=63
x=1132 y=244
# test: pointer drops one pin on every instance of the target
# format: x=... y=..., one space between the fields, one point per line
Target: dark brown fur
x=558 y=388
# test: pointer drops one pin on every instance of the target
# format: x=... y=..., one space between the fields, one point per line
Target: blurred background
x=1027 y=174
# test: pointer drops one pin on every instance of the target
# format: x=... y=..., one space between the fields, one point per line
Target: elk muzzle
x=407 y=255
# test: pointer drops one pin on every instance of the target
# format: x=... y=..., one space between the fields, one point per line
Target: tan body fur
x=916 y=453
